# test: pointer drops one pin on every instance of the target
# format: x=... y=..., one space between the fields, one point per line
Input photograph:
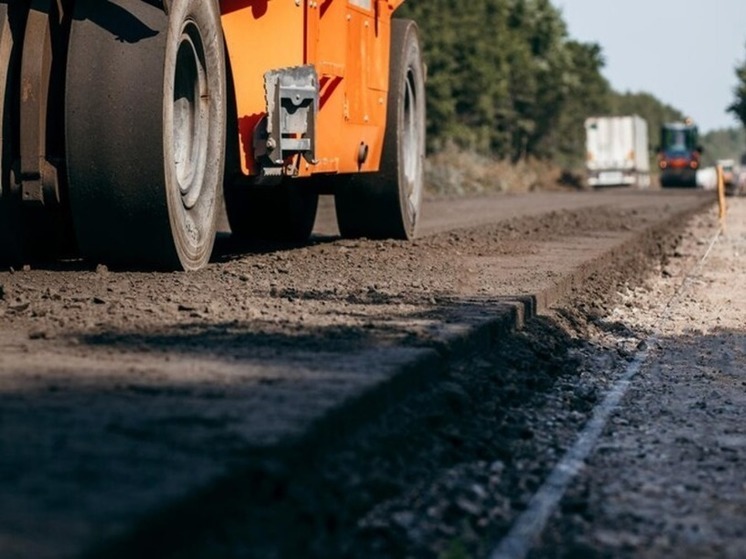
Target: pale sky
x=682 y=51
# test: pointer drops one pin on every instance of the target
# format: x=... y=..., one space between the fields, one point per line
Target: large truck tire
x=145 y=131
x=387 y=204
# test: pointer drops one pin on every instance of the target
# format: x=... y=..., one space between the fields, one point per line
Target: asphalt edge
x=478 y=332
x=503 y=318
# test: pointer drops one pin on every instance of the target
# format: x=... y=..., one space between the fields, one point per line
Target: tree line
x=738 y=107
x=725 y=143
x=506 y=79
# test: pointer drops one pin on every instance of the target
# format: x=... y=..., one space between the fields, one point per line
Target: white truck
x=617 y=151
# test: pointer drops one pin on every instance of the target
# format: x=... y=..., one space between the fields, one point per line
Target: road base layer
x=123 y=394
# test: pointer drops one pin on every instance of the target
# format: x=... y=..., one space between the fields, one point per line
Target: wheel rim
x=193 y=123
x=411 y=146
x=190 y=116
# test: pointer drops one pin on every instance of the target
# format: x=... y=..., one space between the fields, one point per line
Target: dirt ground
x=667 y=479
x=150 y=415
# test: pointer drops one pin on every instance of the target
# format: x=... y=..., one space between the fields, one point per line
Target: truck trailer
x=617 y=151
x=128 y=125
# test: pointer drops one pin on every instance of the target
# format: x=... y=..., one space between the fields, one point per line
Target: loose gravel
x=153 y=396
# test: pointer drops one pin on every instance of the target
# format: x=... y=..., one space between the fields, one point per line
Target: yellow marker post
x=721 y=194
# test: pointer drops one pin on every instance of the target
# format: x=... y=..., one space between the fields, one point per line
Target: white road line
x=531 y=523
x=542 y=505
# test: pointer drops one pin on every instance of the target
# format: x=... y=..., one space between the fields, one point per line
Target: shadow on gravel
x=229 y=248
x=667 y=478
x=113 y=443
x=440 y=322
x=447 y=468
x=442 y=473
x=328 y=497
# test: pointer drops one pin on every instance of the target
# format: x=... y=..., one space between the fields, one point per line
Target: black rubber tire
x=387 y=204
x=284 y=212
x=145 y=131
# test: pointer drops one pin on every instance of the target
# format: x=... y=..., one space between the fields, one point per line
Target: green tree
x=589 y=95
x=726 y=143
x=738 y=107
x=505 y=79
x=501 y=73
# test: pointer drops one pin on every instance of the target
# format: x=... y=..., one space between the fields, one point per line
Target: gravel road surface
x=209 y=414
x=668 y=477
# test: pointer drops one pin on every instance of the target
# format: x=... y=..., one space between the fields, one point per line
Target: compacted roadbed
x=128 y=397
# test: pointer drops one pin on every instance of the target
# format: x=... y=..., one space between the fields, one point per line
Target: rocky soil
x=158 y=415
x=667 y=479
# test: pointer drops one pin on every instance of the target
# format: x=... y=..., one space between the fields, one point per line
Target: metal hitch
x=292 y=97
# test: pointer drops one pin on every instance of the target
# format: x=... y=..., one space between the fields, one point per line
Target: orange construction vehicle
x=127 y=125
x=679 y=154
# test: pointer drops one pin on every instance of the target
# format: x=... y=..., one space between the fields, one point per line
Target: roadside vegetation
x=509 y=90
x=726 y=143
x=738 y=107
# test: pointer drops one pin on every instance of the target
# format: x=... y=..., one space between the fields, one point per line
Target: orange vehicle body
x=347 y=41
x=128 y=126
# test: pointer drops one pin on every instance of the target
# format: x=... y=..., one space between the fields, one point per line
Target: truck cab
x=679 y=154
